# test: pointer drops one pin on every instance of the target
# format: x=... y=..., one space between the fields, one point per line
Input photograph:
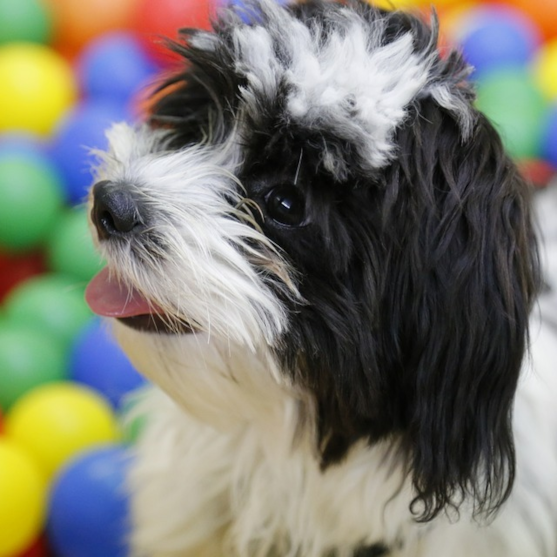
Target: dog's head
x=317 y=181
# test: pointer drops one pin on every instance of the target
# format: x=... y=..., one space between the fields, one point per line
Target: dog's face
x=317 y=184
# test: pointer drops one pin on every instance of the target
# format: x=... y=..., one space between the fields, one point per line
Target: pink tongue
x=110 y=298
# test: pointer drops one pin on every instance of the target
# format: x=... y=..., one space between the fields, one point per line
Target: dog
x=321 y=256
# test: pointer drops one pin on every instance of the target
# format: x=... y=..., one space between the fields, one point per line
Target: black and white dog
x=321 y=255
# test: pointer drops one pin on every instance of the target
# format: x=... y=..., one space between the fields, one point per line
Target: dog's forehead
x=342 y=71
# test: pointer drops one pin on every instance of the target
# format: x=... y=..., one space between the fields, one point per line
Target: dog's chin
x=157 y=324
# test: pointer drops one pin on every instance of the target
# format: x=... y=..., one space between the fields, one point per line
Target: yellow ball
x=545 y=69
x=37 y=88
x=22 y=499
x=395 y=4
x=423 y=5
x=56 y=421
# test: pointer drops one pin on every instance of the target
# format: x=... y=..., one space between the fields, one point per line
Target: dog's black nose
x=115 y=212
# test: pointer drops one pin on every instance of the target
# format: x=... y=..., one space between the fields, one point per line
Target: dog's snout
x=115 y=211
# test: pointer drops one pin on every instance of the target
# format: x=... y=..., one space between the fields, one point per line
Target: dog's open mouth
x=110 y=298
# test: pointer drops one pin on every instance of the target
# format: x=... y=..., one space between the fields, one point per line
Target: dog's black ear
x=463 y=272
x=198 y=100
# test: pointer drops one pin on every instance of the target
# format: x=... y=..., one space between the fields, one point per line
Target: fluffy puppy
x=320 y=254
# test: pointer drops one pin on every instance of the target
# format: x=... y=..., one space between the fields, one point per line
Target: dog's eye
x=286 y=205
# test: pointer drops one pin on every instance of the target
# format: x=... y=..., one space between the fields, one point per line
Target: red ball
x=157 y=20
x=16 y=268
x=39 y=548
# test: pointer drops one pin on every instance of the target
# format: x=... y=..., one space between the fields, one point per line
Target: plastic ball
x=21 y=143
x=550 y=137
x=22 y=499
x=70 y=249
x=18 y=268
x=32 y=198
x=89 y=506
x=496 y=37
x=24 y=20
x=452 y=21
x=39 y=548
x=98 y=362
x=115 y=66
x=542 y=12
x=545 y=69
x=516 y=107
x=537 y=172
x=82 y=130
x=38 y=87
x=77 y=22
x=28 y=358
x=157 y=20
x=52 y=303
x=396 y=4
x=54 y=422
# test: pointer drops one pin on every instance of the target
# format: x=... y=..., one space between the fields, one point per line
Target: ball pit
x=98 y=362
x=543 y=13
x=31 y=195
x=550 y=137
x=70 y=250
x=97 y=477
x=38 y=87
x=28 y=358
x=16 y=269
x=55 y=422
x=83 y=129
x=69 y=68
x=51 y=302
x=115 y=67
x=77 y=22
x=497 y=37
x=545 y=70
x=156 y=20
x=24 y=21
x=516 y=107
x=22 y=499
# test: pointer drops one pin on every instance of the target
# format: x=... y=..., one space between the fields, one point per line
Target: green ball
x=516 y=107
x=70 y=249
x=25 y=21
x=32 y=198
x=51 y=303
x=28 y=358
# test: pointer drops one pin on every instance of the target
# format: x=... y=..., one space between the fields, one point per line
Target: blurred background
x=68 y=68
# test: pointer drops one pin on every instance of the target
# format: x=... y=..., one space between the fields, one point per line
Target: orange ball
x=542 y=12
x=76 y=22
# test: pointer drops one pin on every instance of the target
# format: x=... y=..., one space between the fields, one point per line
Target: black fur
x=418 y=278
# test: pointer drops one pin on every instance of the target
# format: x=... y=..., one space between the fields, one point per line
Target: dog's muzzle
x=117 y=216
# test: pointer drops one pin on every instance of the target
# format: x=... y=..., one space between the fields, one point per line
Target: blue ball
x=549 y=148
x=82 y=130
x=88 y=512
x=16 y=144
x=499 y=37
x=115 y=66
x=98 y=362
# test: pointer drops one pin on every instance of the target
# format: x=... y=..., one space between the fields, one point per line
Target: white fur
x=221 y=467
x=350 y=83
x=191 y=191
